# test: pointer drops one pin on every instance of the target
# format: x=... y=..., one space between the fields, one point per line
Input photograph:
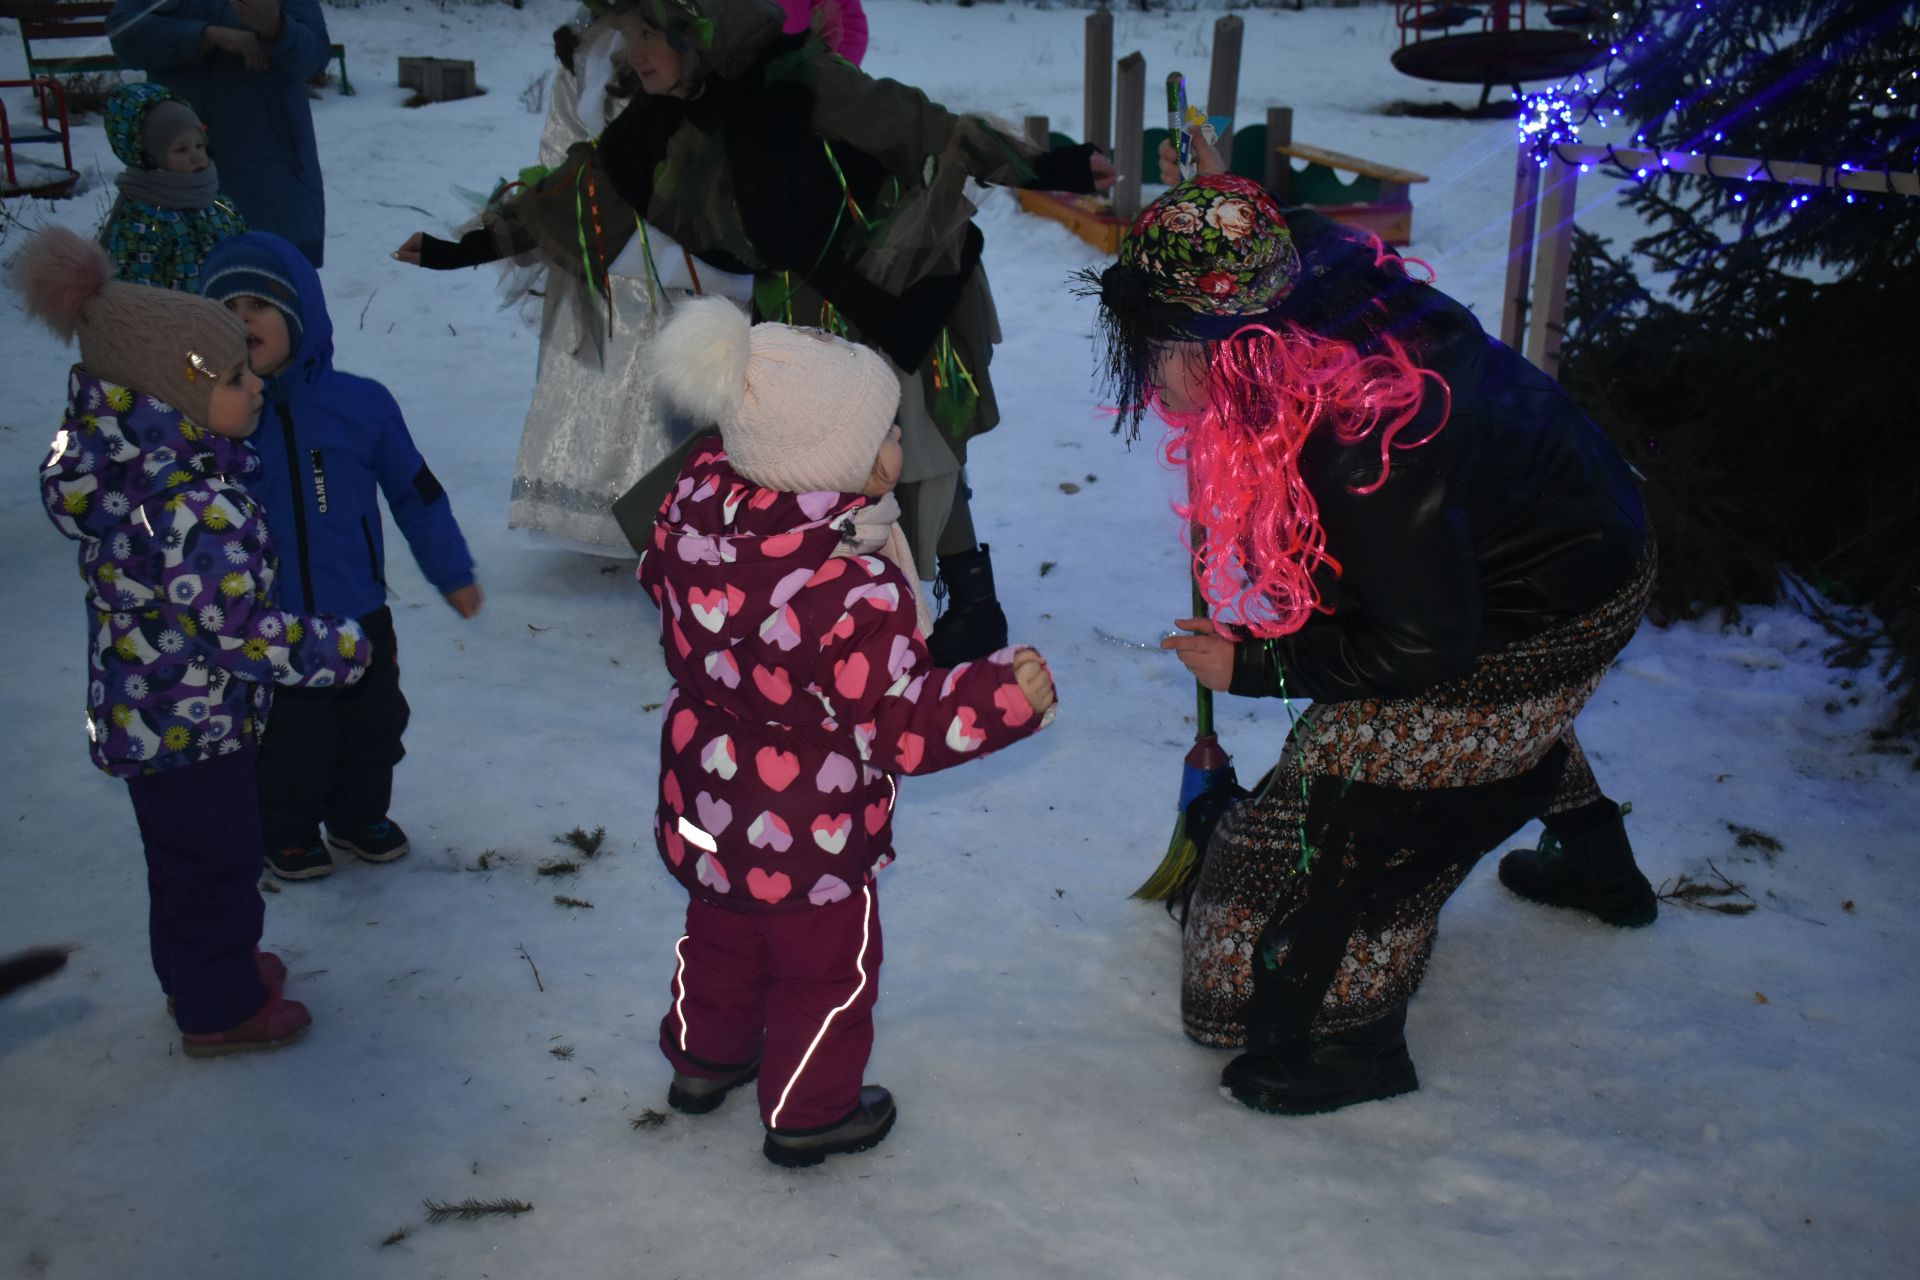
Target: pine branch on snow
x=472 y=1210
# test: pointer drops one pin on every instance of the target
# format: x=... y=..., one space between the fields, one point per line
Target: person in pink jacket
x=841 y=23
x=796 y=637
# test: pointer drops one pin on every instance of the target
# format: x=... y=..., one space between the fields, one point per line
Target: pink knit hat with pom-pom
x=162 y=343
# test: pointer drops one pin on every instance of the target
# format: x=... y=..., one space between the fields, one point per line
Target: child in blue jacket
x=327 y=440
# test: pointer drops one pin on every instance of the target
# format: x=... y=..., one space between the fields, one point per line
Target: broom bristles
x=1181 y=863
x=1174 y=868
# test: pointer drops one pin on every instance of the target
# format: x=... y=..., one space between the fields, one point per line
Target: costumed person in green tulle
x=844 y=196
x=594 y=426
x=1399 y=518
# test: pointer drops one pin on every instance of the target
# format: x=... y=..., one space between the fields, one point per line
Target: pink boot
x=277 y=1023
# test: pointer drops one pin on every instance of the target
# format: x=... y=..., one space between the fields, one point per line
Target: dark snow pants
x=200 y=826
x=328 y=754
x=795 y=987
x=1396 y=800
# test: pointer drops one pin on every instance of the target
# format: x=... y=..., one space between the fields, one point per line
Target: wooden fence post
x=1520 y=237
x=1279 y=170
x=1130 y=129
x=1549 y=311
x=1097 y=123
x=1223 y=77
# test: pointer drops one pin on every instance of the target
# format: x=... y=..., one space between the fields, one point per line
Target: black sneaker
x=697 y=1095
x=300 y=862
x=382 y=842
x=866 y=1127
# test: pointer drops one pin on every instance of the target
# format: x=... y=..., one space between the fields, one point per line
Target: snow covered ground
x=1715 y=1096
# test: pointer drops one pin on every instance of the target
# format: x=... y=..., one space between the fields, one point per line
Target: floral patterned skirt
x=1256 y=895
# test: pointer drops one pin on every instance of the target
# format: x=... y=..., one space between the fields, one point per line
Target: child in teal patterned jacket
x=170 y=212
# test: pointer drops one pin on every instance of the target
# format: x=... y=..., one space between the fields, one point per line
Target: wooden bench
x=1379 y=198
x=65 y=21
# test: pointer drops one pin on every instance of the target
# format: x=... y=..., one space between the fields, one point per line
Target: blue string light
x=1552 y=117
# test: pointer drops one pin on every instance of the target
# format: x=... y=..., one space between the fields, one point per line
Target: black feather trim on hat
x=1352 y=289
x=1133 y=321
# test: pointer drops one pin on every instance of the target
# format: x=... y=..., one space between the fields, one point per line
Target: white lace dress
x=593 y=427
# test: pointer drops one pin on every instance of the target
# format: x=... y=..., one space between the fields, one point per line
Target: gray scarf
x=170 y=190
x=876 y=527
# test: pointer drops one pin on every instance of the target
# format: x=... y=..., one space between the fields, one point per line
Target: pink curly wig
x=1256 y=538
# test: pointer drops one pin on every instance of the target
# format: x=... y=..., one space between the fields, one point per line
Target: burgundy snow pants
x=796 y=987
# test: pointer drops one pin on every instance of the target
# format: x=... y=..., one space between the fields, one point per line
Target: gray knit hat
x=164 y=121
x=162 y=343
x=799 y=410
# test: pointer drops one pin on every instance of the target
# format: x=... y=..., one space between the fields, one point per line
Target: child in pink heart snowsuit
x=796 y=638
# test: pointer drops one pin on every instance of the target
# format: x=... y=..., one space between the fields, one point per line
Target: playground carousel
x=1495 y=43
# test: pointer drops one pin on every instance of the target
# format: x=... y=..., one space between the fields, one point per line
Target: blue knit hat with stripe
x=253 y=271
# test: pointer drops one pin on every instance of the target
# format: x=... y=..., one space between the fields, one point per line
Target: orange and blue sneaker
x=300 y=862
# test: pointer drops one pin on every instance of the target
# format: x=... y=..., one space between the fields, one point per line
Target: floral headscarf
x=1216 y=245
x=1199 y=263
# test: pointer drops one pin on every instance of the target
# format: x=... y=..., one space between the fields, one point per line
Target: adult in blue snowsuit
x=243 y=66
x=329 y=443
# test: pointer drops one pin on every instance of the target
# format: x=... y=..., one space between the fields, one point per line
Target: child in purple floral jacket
x=148 y=475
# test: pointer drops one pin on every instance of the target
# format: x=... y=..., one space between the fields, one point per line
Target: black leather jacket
x=1517 y=514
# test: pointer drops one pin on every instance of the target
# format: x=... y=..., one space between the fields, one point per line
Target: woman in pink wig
x=1399 y=518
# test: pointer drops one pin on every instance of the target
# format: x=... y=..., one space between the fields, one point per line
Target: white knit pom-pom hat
x=798 y=409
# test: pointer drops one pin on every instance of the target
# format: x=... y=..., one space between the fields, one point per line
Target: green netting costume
x=844 y=195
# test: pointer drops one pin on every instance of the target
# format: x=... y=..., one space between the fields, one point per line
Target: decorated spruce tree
x=1754 y=352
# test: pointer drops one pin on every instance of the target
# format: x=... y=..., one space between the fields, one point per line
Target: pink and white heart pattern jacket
x=802 y=689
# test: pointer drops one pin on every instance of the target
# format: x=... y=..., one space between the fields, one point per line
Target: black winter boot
x=972 y=625
x=866 y=1127
x=697 y=1095
x=1585 y=862
x=1303 y=1079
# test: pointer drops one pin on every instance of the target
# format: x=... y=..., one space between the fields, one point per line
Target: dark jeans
x=328 y=754
x=201 y=829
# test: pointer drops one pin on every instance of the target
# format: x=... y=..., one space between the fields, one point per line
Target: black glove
x=472 y=249
x=1065 y=169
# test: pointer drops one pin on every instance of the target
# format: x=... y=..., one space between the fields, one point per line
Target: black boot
x=1303 y=1079
x=697 y=1095
x=1584 y=862
x=865 y=1127
x=972 y=625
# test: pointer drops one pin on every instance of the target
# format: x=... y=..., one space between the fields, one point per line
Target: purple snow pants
x=797 y=987
x=201 y=828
